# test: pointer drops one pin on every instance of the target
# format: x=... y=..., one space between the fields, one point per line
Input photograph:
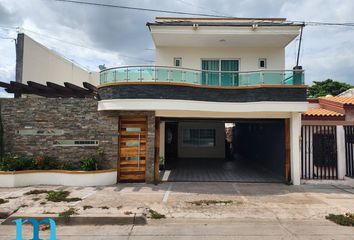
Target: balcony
x=201 y=77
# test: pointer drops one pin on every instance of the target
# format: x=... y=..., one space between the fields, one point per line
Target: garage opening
x=251 y=150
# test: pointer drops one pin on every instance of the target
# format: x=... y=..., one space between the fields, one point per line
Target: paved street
x=193 y=211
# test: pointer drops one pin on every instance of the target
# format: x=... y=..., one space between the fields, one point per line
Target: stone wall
x=78 y=118
x=202 y=93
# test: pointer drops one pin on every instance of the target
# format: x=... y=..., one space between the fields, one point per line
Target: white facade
x=248 y=57
x=42 y=65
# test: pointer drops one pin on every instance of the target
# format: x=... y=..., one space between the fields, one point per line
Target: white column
x=295 y=133
x=162 y=139
x=341 y=152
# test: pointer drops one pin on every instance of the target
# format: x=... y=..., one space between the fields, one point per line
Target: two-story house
x=218 y=105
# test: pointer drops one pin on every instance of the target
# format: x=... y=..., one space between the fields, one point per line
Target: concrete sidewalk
x=193 y=210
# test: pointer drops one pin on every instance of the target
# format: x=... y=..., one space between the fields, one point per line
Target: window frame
x=265 y=63
x=177 y=59
x=199 y=144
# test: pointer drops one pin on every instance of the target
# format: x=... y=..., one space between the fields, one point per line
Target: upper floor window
x=262 y=63
x=177 y=62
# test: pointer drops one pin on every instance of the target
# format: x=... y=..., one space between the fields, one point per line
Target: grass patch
x=36 y=192
x=61 y=196
x=156 y=215
x=87 y=207
x=3 y=201
x=47 y=212
x=344 y=220
x=11 y=198
x=211 y=202
x=68 y=213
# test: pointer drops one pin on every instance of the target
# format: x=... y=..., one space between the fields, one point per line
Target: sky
x=91 y=35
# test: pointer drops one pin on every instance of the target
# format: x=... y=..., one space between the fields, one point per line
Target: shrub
x=70 y=166
x=45 y=162
x=89 y=163
x=16 y=163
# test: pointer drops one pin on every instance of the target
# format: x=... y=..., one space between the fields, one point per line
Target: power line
x=200 y=7
x=81 y=46
x=140 y=9
x=310 y=23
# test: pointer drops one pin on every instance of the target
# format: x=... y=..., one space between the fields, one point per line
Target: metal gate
x=349 y=151
x=319 y=152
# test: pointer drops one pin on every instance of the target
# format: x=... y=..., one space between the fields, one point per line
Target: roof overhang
x=204 y=34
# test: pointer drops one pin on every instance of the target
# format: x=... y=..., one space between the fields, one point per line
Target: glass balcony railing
x=201 y=77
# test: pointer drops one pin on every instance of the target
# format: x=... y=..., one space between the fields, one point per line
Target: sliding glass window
x=214 y=74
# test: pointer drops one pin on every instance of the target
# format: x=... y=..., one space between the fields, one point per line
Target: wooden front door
x=132 y=148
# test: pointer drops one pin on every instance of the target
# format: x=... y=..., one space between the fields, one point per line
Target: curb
x=89 y=220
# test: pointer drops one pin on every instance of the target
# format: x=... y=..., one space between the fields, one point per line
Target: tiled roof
x=320 y=112
x=342 y=100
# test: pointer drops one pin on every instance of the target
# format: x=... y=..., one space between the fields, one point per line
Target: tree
x=327 y=87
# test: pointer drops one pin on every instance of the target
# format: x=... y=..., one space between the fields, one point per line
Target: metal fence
x=319 y=152
x=349 y=150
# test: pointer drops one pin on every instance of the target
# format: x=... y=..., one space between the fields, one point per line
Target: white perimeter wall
x=41 y=64
x=202 y=152
x=191 y=57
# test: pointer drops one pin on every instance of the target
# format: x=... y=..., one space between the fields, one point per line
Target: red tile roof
x=342 y=100
x=320 y=112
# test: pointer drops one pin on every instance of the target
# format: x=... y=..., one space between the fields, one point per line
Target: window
x=177 y=62
x=195 y=137
x=262 y=62
x=220 y=72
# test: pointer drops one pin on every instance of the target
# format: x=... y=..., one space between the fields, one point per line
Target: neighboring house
x=37 y=63
x=347 y=93
x=328 y=138
x=218 y=105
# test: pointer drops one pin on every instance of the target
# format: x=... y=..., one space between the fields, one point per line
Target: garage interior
x=237 y=150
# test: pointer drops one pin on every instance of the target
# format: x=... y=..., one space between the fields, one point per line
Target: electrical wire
x=200 y=7
x=81 y=46
x=139 y=9
x=309 y=23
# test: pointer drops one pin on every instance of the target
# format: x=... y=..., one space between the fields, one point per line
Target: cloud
x=120 y=37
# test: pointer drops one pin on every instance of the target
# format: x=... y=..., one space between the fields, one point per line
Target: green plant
x=70 y=166
x=88 y=163
x=156 y=215
x=16 y=163
x=61 y=196
x=45 y=162
x=68 y=213
x=344 y=220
